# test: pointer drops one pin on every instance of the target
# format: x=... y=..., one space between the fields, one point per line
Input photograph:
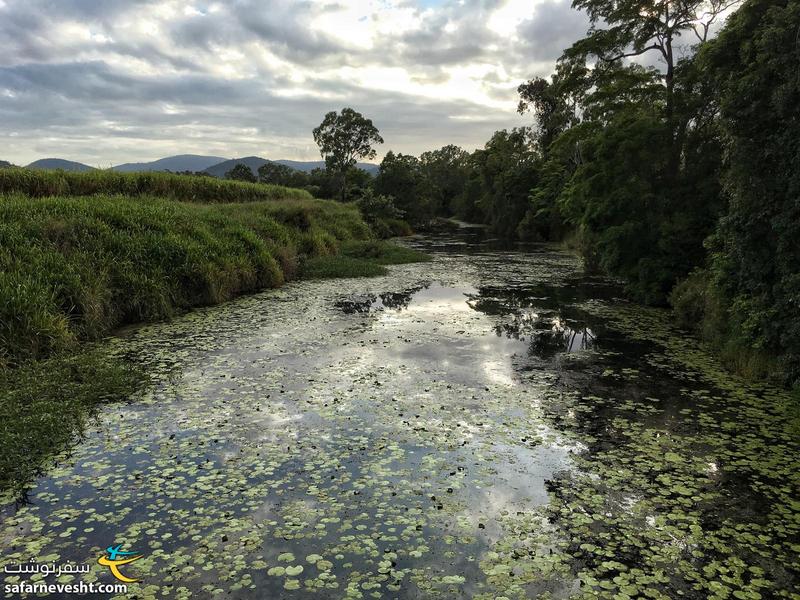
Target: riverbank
x=492 y=423
x=75 y=268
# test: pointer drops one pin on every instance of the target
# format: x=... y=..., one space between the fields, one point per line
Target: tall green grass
x=73 y=269
x=84 y=253
x=40 y=183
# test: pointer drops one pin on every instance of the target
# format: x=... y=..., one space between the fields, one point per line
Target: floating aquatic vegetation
x=291 y=445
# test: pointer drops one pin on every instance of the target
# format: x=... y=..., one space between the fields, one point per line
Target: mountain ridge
x=213 y=165
x=176 y=163
x=59 y=163
x=254 y=162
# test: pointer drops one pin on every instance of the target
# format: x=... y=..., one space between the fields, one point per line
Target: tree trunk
x=669 y=79
x=674 y=147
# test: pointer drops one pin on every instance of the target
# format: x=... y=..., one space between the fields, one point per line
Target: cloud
x=124 y=80
x=551 y=29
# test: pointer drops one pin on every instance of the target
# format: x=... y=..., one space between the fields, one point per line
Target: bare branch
x=701 y=38
x=636 y=53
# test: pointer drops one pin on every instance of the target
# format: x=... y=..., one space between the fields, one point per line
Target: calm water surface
x=444 y=431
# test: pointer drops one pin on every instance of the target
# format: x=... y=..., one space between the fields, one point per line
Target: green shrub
x=699 y=306
x=396 y=227
x=688 y=300
x=383 y=217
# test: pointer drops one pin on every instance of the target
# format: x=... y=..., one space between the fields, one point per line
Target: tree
x=383 y=217
x=400 y=178
x=615 y=200
x=343 y=139
x=610 y=179
x=276 y=174
x=755 y=66
x=444 y=174
x=321 y=184
x=631 y=154
x=555 y=108
x=636 y=27
x=507 y=170
x=241 y=172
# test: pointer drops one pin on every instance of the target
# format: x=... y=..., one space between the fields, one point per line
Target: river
x=492 y=424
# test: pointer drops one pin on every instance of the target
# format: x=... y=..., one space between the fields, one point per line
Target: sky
x=112 y=81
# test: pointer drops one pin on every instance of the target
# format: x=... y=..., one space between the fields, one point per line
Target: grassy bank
x=74 y=268
x=38 y=183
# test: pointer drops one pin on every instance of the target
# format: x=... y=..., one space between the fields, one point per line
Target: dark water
x=492 y=424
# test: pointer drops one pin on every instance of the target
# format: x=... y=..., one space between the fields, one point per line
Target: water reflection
x=540 y=317
x=549 y=334
x=370 y=302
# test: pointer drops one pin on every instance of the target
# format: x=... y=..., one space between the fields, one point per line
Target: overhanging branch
x=630 y=54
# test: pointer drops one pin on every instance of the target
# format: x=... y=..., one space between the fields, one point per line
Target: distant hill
x=181 y=162
x=59 y=163
x=320 y=164
x=4 y=164
x=213 y=165
x=219 y=170
x=254 y=162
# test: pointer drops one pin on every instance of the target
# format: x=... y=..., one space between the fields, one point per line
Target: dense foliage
x=756 y=248
x=656 y=175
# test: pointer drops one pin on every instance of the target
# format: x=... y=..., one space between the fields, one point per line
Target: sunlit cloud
x=125 y=80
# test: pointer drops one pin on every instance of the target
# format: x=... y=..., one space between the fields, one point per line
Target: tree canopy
x=755 y=68
x=344 y=138
x=241 y=172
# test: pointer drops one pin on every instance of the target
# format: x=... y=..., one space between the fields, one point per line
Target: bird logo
x=114 y=558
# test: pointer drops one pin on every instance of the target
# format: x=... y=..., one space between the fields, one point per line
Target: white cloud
x=129 y=80
x=509 y=15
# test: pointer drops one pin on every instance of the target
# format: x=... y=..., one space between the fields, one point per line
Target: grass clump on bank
x=365 y=258
x=37 y=183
